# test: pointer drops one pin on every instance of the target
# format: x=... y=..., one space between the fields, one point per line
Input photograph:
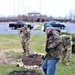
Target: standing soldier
x=67 y=48
x=25 y=36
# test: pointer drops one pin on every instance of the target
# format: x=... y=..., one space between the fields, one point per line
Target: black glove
x=47 y=49
x=43 y=57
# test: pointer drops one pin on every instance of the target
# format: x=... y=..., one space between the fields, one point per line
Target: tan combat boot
x=67 y=64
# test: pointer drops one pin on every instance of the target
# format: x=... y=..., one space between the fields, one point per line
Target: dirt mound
x=24 y=73
x=32 y=59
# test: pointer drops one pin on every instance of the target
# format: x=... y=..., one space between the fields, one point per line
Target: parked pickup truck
x=16 y=25
x=19 y=24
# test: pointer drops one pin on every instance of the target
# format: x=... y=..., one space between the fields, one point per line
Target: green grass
x=37 y=43
x=5 y=69
x=9 y=41
x=66 y=70
x=12 y=41
x=12 y=54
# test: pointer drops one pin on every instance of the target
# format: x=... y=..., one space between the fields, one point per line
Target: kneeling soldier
x=67 y=48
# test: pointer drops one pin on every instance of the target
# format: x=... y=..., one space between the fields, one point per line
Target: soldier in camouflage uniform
x=53 y=49
x=67 y=48
x=25 y=36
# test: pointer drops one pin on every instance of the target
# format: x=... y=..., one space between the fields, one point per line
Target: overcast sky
x=55 y=8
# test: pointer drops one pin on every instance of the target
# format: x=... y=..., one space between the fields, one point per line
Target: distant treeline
x=26 y=18
x=42 y=18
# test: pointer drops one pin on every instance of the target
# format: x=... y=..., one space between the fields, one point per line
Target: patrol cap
x=49 y=28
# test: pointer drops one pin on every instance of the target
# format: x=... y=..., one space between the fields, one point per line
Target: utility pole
x=14 y=7
x=40 y=10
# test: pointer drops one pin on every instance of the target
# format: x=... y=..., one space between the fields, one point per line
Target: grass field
x=11 y=42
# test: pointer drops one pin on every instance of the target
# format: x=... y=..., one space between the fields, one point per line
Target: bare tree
x=74 y=17
x=71 y=15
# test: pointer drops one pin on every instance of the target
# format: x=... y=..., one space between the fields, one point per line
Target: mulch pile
x=24 y=73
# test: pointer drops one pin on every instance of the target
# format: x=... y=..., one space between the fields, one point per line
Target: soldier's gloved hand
x=47 y=49
x=43 y=57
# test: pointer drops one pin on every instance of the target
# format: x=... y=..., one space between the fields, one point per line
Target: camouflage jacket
x=53 y=45
x=66 y=41
x=25 y=33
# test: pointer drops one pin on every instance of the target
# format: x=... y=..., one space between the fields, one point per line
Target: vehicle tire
x=14 y=28
x=62 y=27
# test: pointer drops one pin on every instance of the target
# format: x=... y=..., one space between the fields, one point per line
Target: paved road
x=70 y=27
x=4 y=29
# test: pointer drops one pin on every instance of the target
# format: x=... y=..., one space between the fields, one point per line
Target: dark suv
x=57 y=24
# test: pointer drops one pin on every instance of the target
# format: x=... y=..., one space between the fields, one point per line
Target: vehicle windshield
x=20 y=22
x=54 y=22
x=57 y=22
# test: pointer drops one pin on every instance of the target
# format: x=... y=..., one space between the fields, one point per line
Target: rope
x=35 y=36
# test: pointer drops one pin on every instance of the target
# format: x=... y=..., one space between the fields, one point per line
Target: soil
x=32 y=59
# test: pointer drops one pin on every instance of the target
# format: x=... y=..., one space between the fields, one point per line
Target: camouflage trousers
x=25 y=46
x=67 y=54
